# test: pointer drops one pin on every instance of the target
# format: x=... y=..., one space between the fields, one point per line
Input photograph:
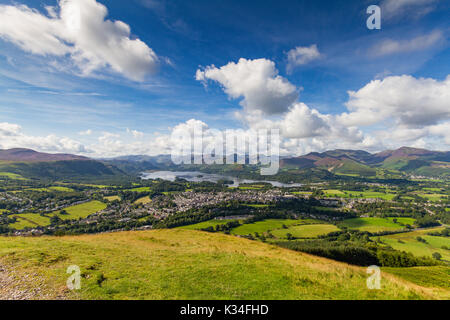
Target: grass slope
x=424 y=276
x=185 y=264
x=354 y=168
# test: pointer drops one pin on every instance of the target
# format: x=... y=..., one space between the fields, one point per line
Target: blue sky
x=48 y=98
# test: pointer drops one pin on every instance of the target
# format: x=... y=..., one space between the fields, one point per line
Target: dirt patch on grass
x=17 y=286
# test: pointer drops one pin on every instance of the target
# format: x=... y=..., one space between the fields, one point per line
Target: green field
x=143 y=200
x=185 y=264
x=98 y=186
x=408 y=242
x=112 y=198
x=12 y=176
x=250 y=188
x=61 y=189
x=433 y=189
x=82 y=210
x=358 y=194
x=29 y=220
x=434 y=197
x=376 y=224
x=257 y=205
x=50 y=189
x=305 y=231
x=267 y=225
x=205 y=224
x=140 y=189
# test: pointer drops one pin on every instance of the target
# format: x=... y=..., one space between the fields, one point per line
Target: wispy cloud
x=412 y=8
x=78 y=28
x=390 y=46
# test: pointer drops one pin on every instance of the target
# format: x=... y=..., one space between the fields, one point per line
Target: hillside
x=313 y=166
x=361 y=163
x=25 y=164
x=28 y=155
x=61 y=170
x=184 y=264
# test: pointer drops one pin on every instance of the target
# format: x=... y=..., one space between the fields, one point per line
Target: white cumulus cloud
x=256 y=81
x=409 y=101
x=79 y=29
x=301 y=55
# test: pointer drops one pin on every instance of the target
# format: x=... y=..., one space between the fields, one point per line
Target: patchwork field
x=376 y=224
x=408 y=242
x=185 y=264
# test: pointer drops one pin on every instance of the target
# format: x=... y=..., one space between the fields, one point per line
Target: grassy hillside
x=186 y=264
x=352 y=167
x=424 y=276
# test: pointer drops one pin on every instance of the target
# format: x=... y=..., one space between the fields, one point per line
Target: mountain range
x=361 y=162
x=28 y=155
x=413 y=161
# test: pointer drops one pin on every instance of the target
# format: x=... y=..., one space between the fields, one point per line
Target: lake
x=196 y=176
